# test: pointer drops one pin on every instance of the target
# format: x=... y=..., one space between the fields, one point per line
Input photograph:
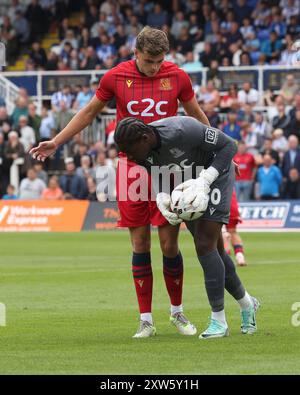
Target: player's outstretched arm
x=80 y=121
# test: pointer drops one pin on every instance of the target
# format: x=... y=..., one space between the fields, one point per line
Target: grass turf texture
x=71 y=309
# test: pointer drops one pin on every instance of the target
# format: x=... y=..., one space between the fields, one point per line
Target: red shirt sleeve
x=105 y=90
x=186 y=92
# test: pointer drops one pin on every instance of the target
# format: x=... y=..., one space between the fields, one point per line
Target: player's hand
x=197 y=192
x=43 y=150
x=163 y=201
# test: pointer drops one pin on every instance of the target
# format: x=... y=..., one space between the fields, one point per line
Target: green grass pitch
x=71 y=309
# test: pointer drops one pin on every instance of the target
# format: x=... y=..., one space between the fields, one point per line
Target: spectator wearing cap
x=269 y=178
x=73 y=186
x=31 y=187
x=248 y=95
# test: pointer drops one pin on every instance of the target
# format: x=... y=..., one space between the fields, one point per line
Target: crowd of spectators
x=268 y=144
x=234 y=32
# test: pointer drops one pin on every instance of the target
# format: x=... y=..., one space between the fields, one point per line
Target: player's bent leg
x=248 y=318
x=206 y=235
x=248 y=304
x=173 y=275
x=143 y=278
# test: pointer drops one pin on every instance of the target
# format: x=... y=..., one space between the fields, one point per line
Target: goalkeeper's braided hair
x=130 y=130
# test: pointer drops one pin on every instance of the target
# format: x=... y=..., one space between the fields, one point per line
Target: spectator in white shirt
x=27 y=133
x=31 y=187
x=260 y=126
x=248 y=95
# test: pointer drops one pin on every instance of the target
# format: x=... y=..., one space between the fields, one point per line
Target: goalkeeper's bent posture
x=178 y=140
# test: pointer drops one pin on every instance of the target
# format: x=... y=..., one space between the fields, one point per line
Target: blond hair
x=153 y=41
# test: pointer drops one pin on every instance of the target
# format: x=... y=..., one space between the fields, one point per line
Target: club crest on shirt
x=165 y=84
x=129 y=83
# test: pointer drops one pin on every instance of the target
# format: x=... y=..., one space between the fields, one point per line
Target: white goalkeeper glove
x=163 y=201
x=197 y=193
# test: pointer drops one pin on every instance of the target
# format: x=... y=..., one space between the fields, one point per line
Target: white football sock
x=147 y=317
x=246 y=302
x=176 y=309
x=219 y=316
